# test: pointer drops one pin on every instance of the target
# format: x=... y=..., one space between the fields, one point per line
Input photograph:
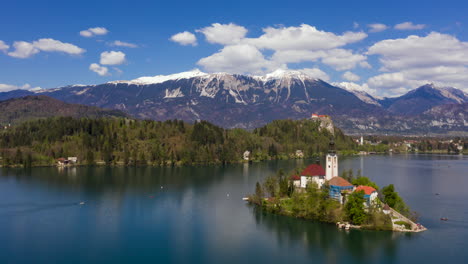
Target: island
x=348 y=201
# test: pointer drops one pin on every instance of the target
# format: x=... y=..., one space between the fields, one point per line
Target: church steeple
x=331 y=169
x=331 y=147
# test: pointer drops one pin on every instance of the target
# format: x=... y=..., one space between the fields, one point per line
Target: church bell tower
x=331 y=169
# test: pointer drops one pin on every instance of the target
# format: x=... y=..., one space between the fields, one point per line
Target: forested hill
x=14 y=111
x=120 y=141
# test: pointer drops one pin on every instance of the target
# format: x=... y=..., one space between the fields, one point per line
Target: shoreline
x=415 y=228
x=169 y=164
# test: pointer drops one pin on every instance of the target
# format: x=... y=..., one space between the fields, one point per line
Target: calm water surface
x=196 y=215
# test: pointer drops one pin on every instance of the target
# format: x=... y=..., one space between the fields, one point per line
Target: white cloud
x=91 y=32
x=316 y=73
x=225 y=34
x=10 y=87
x=119 y=43
x=416 y=60
x=296 y=56
x=388 y=80
x=351 y=86
x=3 y=46
x=101 y=70
x=25 y=49
x=355 y=25
x=341 y=59
x=365 y=64
x=119 y=71
x=52 y=45
x=414 y=51
x=184 y=38
x=112 y=58
x=304 y=37
x=240 y=58
x=373 y=28
x=409 y=26
x=400 y=82
x=303 y=43
x=351 y=76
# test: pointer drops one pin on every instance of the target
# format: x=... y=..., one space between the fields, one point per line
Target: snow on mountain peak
x=282 y=73
x=163 y=78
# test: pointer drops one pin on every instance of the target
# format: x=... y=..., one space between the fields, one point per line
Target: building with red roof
x=313 y=173
x=62 y=162
x=295 y=178
x=313 y=170
x=370 y=193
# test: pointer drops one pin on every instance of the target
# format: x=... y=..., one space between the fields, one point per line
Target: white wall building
x=331 y=169
x=314 y=173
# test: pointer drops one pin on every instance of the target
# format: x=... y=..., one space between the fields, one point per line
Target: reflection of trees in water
x=325 y=239
x=109 y=187
x=145 y=180
x=98 y=179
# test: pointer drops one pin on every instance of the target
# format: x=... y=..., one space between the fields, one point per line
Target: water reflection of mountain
x=326 y=243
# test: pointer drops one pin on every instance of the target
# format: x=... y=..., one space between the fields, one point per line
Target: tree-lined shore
x=127 y=142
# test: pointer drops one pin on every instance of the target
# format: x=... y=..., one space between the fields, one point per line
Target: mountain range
x=244 y=101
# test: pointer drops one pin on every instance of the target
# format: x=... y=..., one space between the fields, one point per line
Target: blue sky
x=332 y=40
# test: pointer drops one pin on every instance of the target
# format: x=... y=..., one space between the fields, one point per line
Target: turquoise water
x=196 y=215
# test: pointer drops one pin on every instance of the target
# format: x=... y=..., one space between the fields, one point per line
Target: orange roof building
x=370 y=193
x=338 y=181
x=366 y=189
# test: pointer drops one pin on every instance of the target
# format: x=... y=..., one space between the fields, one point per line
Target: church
x=314 y=173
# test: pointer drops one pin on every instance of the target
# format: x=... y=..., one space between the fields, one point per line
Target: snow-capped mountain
x=164 y=78
x=233 y=100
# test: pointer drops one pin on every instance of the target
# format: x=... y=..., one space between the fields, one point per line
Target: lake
x=196 y=215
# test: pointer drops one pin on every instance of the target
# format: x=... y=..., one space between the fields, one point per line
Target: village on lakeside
x=320 y=194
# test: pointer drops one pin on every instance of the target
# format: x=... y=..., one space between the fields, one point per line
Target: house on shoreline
x=370 y=194
x=62 y=162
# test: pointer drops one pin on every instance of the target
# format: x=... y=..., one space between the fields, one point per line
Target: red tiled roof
x=295 y=177
x=313 y=170
x=367 y=189
x=338 y=181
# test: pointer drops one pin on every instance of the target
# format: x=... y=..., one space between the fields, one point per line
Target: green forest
x=127 y=142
